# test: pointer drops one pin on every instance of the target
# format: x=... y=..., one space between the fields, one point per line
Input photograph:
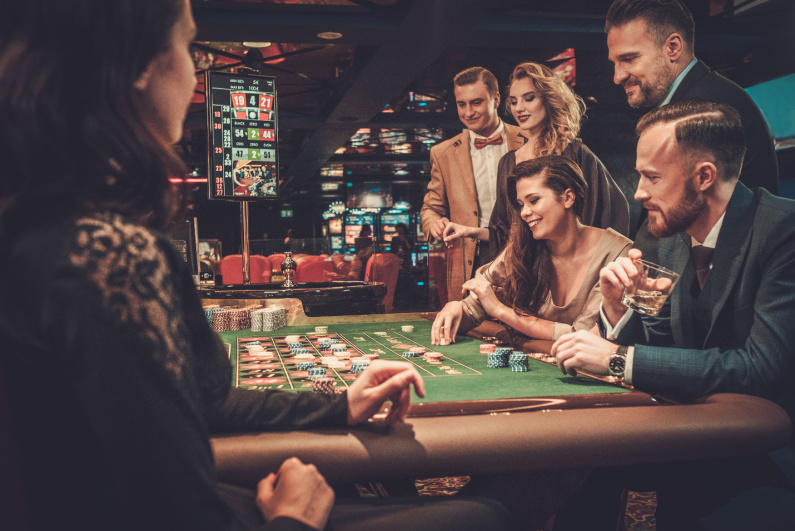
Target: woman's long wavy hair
x=564 y=108
x=70 y=134
x=528 y=265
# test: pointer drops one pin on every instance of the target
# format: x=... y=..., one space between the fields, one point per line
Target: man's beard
x=652 y=93
x=681 y=217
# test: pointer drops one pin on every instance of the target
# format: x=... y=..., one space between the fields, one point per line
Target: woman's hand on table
x=446 y=324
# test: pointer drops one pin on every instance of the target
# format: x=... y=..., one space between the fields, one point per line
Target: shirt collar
x=675 y=85
x=712 y=238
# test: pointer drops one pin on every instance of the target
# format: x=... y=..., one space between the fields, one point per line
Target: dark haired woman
x=113 y=377
x=545 y=282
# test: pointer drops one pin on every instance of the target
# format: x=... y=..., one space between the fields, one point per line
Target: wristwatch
x=618 y=362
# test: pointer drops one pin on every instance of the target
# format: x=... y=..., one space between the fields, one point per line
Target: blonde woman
x=549 y=114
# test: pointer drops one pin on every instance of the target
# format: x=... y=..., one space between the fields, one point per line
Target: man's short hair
x=662 y=17
x=703 y=129
x=475 y=74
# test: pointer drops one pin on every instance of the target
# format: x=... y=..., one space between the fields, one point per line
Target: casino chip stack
x=268 y=319
x=432 y=357
x=222 y=320
x=210 y=311
x=359 y=365
x=407 y=328
x=518 y=361
x=487 y=348
x=324 y=385
x=317 y=372
x=239 y=319
x=414 y=352
x=498 y=359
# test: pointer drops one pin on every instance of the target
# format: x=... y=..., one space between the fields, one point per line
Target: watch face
x=616 y=365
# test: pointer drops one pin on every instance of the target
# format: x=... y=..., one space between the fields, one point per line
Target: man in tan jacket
x=464 y=173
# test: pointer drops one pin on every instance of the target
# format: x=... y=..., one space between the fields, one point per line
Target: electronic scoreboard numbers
x=242 y=122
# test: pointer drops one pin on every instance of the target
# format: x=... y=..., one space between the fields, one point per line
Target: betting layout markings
x=445 y=355
x=241 y=349
x=274 y=344
x=390 y=347
x=343 y=379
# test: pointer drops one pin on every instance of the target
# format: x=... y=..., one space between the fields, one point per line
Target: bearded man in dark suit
x=727 y=327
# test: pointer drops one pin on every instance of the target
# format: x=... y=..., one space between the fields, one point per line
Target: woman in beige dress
x=545 y=282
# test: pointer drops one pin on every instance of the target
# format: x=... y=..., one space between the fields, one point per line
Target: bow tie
x=480 y=143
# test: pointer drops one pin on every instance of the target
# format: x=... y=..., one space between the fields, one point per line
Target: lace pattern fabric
x=130 y=271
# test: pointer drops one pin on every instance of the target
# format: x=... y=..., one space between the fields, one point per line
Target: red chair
x=313 y=271
x=276 y=262
x=384 y=268
x=231 y=269
x=267 y=273
x=307 y=258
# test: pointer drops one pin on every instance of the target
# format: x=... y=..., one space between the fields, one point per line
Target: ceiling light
x=329 y=35
x=249 y=44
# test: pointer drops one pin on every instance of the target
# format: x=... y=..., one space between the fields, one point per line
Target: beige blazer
x=452 y=194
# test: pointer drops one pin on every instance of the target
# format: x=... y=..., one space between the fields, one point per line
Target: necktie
x=702 y=257
x=480 y=143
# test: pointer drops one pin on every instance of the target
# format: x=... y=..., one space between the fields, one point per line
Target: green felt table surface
x=462 y=374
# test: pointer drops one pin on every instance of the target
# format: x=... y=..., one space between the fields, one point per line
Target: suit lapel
x=463 y=161
x=682 y=304
x=730 y=251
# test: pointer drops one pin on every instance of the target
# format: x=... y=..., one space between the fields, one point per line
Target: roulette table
x=480 y=420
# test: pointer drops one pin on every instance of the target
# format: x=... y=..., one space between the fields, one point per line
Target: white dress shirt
x=484 y=167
